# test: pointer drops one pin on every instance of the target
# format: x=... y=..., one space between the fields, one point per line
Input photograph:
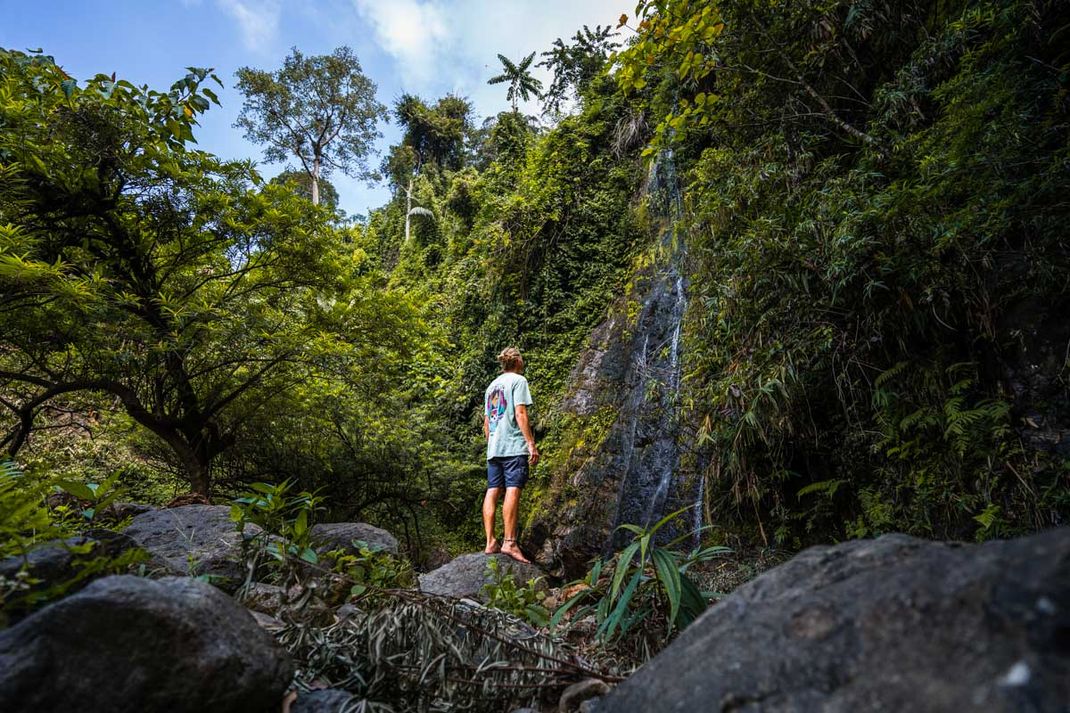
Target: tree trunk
x=408 y=209
x=316 y=181
x=196 y=462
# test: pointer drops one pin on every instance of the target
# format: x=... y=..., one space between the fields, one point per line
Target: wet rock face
x=892 y=624
x=630 y=368
x=465 y=576
x=131 y=644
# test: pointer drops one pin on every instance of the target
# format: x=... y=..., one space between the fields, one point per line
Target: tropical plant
x=521 y=84
x=576 y=64
x=284 y=516
x=26 y=523
x=370 y=571
x=640 y=589
x=320 y=110
x=93 y=498
x=502 y=591
x=24 y=516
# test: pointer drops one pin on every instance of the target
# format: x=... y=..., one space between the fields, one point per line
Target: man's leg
x=510 y=514
x=490 y=504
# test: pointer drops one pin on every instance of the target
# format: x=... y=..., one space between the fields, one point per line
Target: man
x=510 y=449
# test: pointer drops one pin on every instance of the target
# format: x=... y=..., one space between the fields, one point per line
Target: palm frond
x=508 y=64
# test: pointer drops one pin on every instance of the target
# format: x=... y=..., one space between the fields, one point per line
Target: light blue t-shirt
x=499 y=405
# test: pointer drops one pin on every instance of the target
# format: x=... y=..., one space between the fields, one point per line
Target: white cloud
x=411 y=31
x=258 y=21
x=441 y=46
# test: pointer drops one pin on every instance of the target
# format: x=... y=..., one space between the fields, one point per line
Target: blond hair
x=510 y=359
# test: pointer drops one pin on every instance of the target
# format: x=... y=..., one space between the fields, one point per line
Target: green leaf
x=567 y=606
x=692 y=603
x=669 y=577
x=78 y=490
x=537 y=614
x=609 y=626
x=623 y=562
x=596 y=572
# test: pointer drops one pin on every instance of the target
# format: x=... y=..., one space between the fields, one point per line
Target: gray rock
x=131 y=645
x=120 y=511
x=466 y=575
x=56 y=561
x=576 y=694
x=341 y=535
x=53 y=560
x=267 y=598
x=193 y=540
x=892 y=624
x=328 y=700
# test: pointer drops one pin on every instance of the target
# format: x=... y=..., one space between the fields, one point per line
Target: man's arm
x=486 y=427
x=525 y=428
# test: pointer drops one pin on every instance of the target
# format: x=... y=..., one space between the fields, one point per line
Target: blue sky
x=429 y=47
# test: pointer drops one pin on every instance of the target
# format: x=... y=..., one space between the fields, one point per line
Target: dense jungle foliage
x=874 y=227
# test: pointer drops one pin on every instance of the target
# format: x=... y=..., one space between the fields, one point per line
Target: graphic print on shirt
x=496 y=406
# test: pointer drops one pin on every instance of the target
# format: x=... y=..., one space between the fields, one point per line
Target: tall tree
x=133 y=266
x=521 y=84
x=433 y=135
x=320 y=110
x=575 y=64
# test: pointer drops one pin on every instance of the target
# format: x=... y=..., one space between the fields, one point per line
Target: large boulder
x=892 y=624
x=341 y=536
x=140 y=645
x=465 y=576
x=193 y=540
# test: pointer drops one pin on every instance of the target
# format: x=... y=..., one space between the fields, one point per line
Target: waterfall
x=633 y=365
x=653 y=458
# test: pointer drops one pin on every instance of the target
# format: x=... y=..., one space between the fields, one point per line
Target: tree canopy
x=177 y=283
x=301 y=182
x=320 y=110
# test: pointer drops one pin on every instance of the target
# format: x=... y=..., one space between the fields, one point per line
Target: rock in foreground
x=465 y=576
x=193 y=540
x=892 y=624
x=140 y=645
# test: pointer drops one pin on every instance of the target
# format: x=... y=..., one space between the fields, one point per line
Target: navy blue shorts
x=507 y=472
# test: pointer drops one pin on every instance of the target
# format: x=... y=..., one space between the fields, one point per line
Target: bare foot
x=492 y=548
x=510 y=548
